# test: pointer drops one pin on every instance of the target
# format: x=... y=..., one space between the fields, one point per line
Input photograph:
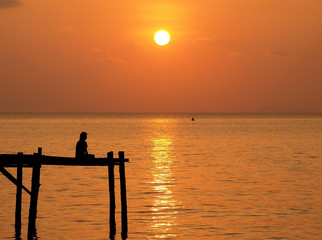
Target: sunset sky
x=100 y=56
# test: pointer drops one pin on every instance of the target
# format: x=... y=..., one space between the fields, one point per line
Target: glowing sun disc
x=162 y=37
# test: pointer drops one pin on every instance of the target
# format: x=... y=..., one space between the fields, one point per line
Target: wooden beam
x=12 y=179
x=68 y=161
x=10 y=160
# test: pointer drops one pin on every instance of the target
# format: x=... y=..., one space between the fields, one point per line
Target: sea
x=221 y=176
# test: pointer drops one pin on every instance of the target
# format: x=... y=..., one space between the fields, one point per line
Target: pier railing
x=37 y=160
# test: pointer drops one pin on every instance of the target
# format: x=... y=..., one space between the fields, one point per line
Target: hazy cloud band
x=10 y=3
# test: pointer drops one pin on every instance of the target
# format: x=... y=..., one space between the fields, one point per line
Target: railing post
x=112 y=193
x=123 y=195
x=18 y=195
x=35 y=184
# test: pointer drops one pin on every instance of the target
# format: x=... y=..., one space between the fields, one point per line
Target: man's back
x=81 y=149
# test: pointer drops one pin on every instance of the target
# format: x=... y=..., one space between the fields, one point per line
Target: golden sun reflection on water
x=164 y=205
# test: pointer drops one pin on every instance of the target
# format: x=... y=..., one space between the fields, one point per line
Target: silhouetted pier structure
x=37 y=160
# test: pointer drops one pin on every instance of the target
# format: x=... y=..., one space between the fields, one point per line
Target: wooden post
x=123 y=195
x=34 y=194
x=112 y=193
x=19 y=195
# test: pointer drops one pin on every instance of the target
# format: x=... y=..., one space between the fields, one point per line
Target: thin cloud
x=205 y=39
x=97 y=50
x=67 y=28
x=111 y=59
x=235 y=53
x=278 y=53
x=10 y=3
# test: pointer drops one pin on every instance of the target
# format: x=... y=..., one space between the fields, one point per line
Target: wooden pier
x=37 y=160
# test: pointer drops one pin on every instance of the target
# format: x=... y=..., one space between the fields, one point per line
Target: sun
x=162 y=37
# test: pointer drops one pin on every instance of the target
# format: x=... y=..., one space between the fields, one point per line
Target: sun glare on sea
x=162 y=37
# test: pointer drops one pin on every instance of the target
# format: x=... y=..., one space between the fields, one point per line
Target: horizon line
x=89 y=112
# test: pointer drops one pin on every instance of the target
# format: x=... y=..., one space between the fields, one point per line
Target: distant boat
x=192 y=119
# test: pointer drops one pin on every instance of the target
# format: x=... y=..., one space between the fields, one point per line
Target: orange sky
x=100 y=56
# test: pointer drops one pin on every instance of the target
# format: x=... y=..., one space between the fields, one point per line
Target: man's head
x=83 y=136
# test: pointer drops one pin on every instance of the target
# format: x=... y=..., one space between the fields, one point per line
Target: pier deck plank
x=11 y=160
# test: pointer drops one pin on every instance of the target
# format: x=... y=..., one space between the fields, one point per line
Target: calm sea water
x=222 y=176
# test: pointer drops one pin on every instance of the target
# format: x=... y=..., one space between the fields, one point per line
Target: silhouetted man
x=81 y=147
